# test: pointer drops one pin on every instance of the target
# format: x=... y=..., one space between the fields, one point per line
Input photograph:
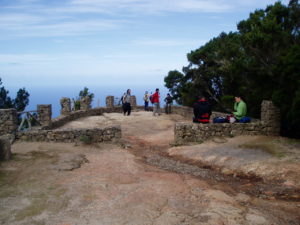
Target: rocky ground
x=146 y=181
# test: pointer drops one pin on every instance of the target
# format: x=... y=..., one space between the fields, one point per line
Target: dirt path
x=63 y=184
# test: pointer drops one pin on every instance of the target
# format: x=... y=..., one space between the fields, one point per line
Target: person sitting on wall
x=240 y=108
x=202 y=111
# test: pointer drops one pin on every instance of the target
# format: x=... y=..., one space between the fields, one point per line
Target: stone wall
x=193 y=132
x=65 y=104
x=5 y=148
x=108 y=134
x=133 y=101
x=44 y=114
x=63 y=119
x=8 y=121
x=184 y=111
x=270 y=115
x=110 y=101
x=85 y=103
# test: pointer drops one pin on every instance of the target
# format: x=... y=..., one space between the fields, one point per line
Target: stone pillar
x=85 y=103
x=5 y=149
x=110 y=101
x=133 y=101
x=8 y=121
x=44 y=114
x=270 y=116
x=65 y=104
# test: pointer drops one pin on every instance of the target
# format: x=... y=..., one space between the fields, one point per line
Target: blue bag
x=245 y=119
x=220 y=119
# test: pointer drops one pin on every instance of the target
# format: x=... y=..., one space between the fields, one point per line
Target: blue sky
x=107 y=42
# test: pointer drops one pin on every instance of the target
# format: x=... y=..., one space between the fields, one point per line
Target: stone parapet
x=110 y=101
x=108 y=134
x=192 y=132
x=44 y=114
x=270 y=116
x=85 y=103
x=63 y=119
x=133 y=101
x=65 y=104
x=5 y=148
x=184 y=111
x=8 y=121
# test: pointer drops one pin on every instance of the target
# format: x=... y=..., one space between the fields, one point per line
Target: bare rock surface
x=138 y=185
x=263 y=157
x=68 y=162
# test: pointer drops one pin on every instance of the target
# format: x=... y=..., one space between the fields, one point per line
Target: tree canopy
x=261 y=60
x=19 y=103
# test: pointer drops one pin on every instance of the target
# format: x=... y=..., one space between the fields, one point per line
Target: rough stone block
x=5 y=149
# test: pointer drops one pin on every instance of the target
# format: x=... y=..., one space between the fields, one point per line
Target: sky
x=65 y=43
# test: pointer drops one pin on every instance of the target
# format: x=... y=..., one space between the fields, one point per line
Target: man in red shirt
x=155 y=101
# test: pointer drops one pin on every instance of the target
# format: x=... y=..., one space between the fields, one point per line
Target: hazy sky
x=105 y=42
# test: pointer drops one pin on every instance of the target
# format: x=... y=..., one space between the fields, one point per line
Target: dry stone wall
x=270 y=116
x=65 y=104
x=8 y=121
x=108 y=134
x=85 y=103
x=5 y=148
x=44 y=114
x=63 y=119
x=110 y=101
x=192 y=132
x=133 y=101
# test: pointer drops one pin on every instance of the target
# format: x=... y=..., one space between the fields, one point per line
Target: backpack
x=146 y=98
x=151 y=99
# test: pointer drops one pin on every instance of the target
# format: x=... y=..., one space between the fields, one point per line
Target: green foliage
x=86 y=139
x=85 y=92
x=19 y=103
x=21 y=100
x=77 y=105
x=259 y=61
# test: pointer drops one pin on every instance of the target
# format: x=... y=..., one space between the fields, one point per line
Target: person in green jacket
x=240 y=108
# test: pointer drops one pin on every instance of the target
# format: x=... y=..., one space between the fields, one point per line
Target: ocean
x=52 y=95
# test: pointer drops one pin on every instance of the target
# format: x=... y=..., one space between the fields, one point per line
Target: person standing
x=126 y=103
x=156 y=103
x=146 y=101
x=168 y=101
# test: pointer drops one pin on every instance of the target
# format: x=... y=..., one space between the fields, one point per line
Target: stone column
x=85 y=103
x=270 y=116
x=133 y=101
x=44 y=114
x=8 y=121
x=65 y=104
x=5 y=149
x=110 y=101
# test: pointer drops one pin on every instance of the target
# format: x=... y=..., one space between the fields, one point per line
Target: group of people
x=202 y=111
x=152 y=98
x=202 y=108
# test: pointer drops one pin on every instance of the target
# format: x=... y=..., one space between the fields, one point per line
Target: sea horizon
x=53 y=94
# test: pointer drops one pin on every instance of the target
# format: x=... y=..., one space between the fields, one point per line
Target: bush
x=86 y=139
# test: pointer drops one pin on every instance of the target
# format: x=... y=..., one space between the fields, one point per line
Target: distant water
x=52 y=95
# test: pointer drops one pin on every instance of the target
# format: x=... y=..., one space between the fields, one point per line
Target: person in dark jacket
x=168 y=101
x=202 y=111
x=126 y=102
